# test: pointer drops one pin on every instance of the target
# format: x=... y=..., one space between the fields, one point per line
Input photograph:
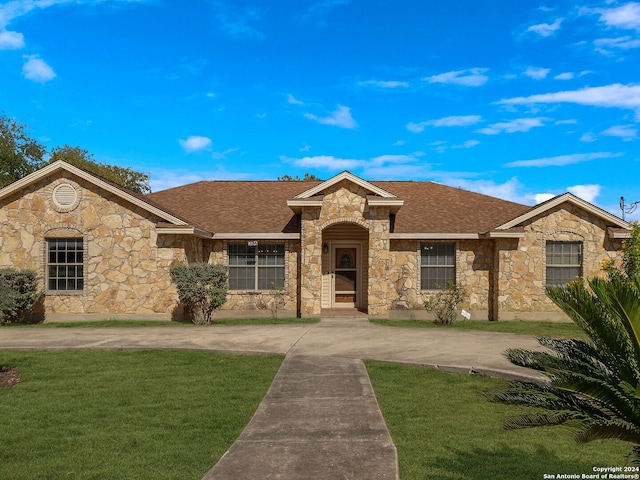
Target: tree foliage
x=308 y=177
x=18 y=293
x=202 y=287
x=21 y=155
x=81 y=158
x=594 y=385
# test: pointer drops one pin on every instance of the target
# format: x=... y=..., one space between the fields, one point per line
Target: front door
x=345 y=278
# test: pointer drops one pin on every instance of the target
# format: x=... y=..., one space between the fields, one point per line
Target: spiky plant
x=594 y=386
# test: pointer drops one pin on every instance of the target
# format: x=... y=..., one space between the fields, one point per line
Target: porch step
x=343 y=313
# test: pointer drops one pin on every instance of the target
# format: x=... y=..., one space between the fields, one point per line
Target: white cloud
x=626 y=16
x=564 y=76
x=195 y=143
x=328 y=162
x=374 y=166
x=11 y=40
x=452 y=121
x=37 y=69
x=341 y=117
x=467 y=144
x=517 y=125
x=384 y=83
x=546 y=29
x=239 y=23
x=605 y=46
x=624 y=132
x=562 y=160
x=537 y=73
x=543 y=197
x=588 y=137
x=614 y=95
x=508 y=190
x=588 y=193
x=473 y=77
x=293 y=100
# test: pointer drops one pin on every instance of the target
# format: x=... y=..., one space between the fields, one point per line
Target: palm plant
x=594 y=386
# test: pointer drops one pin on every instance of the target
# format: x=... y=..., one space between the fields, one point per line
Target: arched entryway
x=345 y=265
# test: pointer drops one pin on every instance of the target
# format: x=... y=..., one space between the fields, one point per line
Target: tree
x=202 y=287
x=630 y=256
x=308 y=177
x=20 y=155
x=18 y=293
x=81 y=158
x=594 y=385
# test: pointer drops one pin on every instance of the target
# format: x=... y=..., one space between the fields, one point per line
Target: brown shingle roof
x=261 y=207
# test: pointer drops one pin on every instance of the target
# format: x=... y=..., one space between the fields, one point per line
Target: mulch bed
x=9 y=377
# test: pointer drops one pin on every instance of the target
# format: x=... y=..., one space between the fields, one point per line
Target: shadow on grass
x=507 y=463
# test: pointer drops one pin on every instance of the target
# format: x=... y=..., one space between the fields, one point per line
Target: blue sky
x=517 y=99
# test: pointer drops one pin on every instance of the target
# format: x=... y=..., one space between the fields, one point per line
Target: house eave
x=502 y=234
x=346 y=175
x=256 y=236
x=297 y=204
x=61 y=165
x=618 y=233
x=560 y=199
x=434 y=236
x=183 y=230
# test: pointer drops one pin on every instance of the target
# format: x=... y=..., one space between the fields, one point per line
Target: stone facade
x=521 y=276
x=127 y=258
x=126 y=263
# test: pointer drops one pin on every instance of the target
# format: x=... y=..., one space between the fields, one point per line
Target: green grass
x=444 y=428
x=524 y=327
x=166 y=323
x=126 y=414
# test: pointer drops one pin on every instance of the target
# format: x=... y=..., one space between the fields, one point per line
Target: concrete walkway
x=320 y=418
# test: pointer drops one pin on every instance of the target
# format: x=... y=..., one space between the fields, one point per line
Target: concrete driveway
x=355 y=338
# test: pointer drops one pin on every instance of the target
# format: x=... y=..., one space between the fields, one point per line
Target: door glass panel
x=345 y=281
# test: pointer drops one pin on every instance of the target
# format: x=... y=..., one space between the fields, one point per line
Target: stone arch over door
x=342 y=241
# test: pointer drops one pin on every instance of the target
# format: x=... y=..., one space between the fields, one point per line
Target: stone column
x=311 y=264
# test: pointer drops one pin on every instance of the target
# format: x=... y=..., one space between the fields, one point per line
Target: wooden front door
x=345 y=278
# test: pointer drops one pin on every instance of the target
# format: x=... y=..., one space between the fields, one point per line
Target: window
x=65 y=264
x=437 y=265
x=564 y=262
x=256 y=267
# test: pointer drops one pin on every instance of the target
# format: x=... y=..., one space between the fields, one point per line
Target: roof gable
x=117 y=190
x=346 y=175
x=558 y=200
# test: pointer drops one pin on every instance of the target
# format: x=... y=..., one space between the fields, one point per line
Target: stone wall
x=474 y=259
x=522 y=275
x=345 y=202
x=126 y=264
x=263 y=300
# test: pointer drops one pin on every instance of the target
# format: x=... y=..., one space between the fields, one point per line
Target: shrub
x=18 y=293
x=444 y=303
x=202 y=287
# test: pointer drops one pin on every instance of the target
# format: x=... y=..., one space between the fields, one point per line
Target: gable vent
x=65 y=195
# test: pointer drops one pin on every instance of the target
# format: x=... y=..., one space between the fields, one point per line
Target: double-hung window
x=256 y=267
x=65 y=264
x=564 y=262
x=437 y=265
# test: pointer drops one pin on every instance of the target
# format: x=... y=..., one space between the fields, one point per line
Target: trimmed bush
x=444 y=303
x=18 y=293
x=202 y=287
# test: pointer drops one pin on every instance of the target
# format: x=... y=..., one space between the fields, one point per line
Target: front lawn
x=524 y=327
x=444 y=428
x=126 y=414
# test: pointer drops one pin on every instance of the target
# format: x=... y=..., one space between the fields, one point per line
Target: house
x=345 y=243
